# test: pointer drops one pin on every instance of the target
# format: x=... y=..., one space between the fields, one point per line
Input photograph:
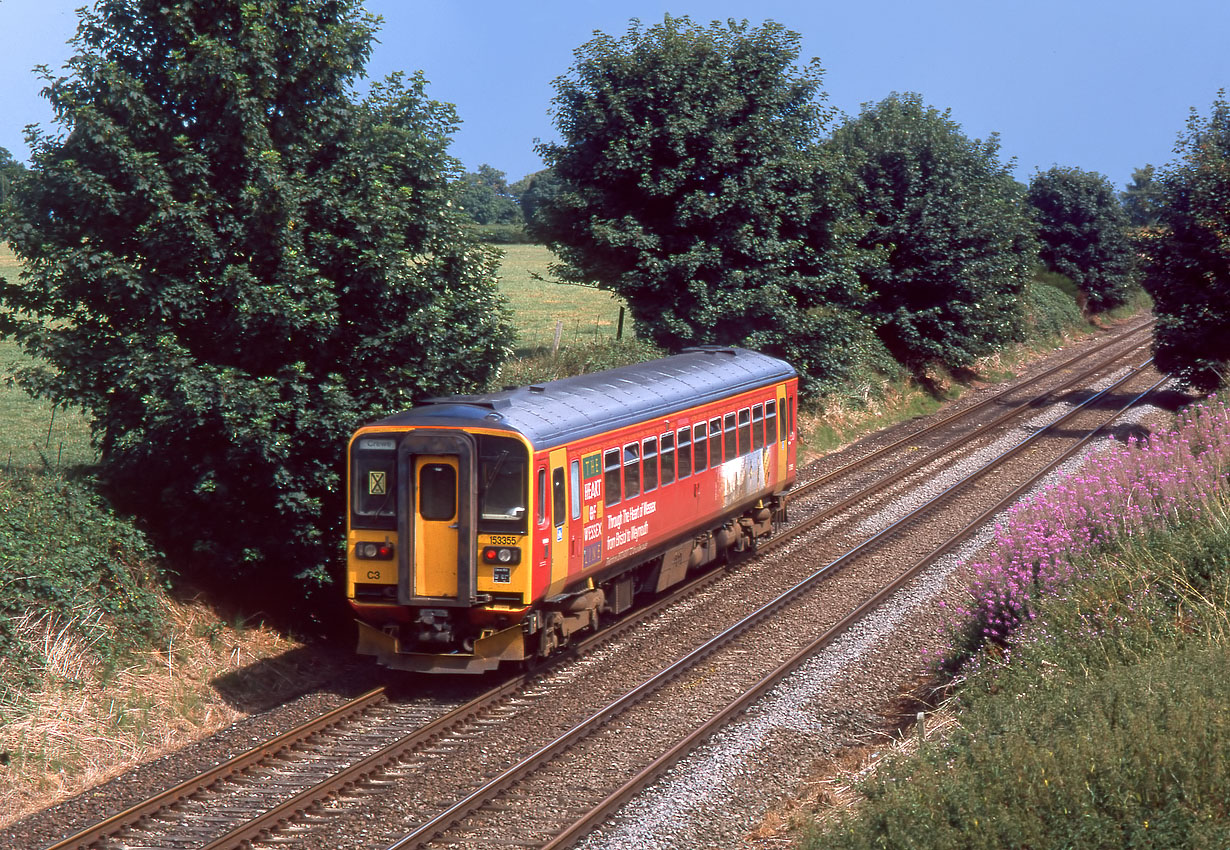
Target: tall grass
x=1132 y=489
x=1094 y=714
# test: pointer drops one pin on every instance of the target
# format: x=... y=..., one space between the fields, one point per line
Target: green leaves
x=223 y=233
x=1187 y=254
x=689 y=184
x=953 y=244
x=1083 y=231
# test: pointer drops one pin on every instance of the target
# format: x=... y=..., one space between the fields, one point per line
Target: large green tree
x=690 y=185
x=10 y=169
x=1142 y=197
x=485 y=197
x=1187 y=256
x=1083 y=232
x=948 y=220
x=230 y=260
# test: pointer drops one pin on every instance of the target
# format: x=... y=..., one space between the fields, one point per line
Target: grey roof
x=573 y=408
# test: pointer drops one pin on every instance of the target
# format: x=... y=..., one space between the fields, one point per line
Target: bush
x=501 y=234
x=578 y=358
x=65 y=555
x=1107 y=730
x=1050 y=309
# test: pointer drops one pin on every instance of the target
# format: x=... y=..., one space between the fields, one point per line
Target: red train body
x=490 y=529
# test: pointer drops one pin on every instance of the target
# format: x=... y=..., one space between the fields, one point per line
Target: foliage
x=1083 y=232
x=1050 y=311
x=1187 y=257
x=1102 y=723
x=10 y=169
x=1142 y=199
x=535 y=189
x=1130 y=490
x=576 y=357
x=690 y=186
x=229 y=263
x=65 y=555
x=946 y=217
x=485 y=197
x=500 y=234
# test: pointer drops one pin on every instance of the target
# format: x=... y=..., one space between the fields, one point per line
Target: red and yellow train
x=491 y=528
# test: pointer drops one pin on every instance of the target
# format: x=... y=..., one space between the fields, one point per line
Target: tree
x=230 y=262
x=689 y=185
x=1083 y=232
x=1187 y=257
x=1142 y=199
x=533 y=190
x=10 y=170
x=947 y=219
x=485 y=197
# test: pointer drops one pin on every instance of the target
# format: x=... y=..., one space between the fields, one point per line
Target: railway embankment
x=1088 y=668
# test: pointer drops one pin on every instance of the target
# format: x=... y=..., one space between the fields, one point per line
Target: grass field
x=30 y=434
x=539 y=301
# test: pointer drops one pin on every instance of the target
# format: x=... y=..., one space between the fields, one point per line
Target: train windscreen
x=502 y=490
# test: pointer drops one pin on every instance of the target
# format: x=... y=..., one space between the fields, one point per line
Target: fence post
x=619 y=330
x=559 y=330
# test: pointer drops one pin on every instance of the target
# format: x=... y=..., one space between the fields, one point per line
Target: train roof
x=573 y=408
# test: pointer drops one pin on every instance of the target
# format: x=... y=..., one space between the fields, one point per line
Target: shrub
x=65 y=555
x=1050 y=310
x=1107 y=730
x=1130 y=490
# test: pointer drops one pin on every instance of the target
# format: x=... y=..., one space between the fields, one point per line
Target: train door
x=563 y=546
x=436 y=536
x=782 y=422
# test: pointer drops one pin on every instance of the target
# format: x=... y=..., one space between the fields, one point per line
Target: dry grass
x=81 y=724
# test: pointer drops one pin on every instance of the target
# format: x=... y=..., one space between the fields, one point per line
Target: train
x=488 y=530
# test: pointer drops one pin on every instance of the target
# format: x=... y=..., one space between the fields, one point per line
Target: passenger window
x=793 y=433
x=700 y=444
x=668 y=459
x=437 y=492
x=610 y=478
x=685 y=452
x=649 y=465
x=574 y=473
x=632 y=470
x=558 y=496
x=770 y=420
x=745 y=431
x=715 y=442
x=757 y=427
x=729 y=443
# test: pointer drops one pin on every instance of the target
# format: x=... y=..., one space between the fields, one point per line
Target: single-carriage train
x=491 y=528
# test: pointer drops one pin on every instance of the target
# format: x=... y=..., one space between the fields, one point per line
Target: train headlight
x=369 y=551
x=501 y=555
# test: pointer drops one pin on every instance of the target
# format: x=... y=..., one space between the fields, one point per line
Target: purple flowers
x=1122 y=491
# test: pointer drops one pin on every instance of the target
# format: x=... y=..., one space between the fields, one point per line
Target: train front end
x=438 y=563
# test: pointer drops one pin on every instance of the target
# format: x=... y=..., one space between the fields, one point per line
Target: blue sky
x=1103 y=85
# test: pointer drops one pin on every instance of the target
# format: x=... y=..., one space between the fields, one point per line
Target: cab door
x=436 y=527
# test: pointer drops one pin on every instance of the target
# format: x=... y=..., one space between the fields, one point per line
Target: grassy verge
x=1091 y=712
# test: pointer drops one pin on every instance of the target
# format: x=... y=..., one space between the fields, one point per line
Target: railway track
x=370 y=745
